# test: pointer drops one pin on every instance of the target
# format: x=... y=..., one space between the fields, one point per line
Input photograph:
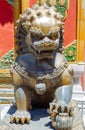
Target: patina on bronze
x=40 y=67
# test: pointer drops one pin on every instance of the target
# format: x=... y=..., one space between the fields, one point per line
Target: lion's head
x=40 y=31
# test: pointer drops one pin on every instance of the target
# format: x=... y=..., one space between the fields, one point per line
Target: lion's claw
x=20 y=116
x=60 y=108
x=61 y=115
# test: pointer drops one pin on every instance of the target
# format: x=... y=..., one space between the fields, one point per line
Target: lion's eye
x=36 y=37
x=54 y=36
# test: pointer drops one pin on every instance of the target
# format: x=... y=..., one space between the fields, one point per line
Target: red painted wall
x=32 y=2
x=6 y=27
x=71 y=23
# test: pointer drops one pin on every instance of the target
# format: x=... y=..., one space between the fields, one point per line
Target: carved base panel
x=40 y=121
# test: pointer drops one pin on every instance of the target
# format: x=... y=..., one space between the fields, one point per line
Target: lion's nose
x=46 y=39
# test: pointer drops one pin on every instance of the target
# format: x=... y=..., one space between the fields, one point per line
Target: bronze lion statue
x=40 y=68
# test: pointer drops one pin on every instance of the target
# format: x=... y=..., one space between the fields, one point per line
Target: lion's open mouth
x=43 y=53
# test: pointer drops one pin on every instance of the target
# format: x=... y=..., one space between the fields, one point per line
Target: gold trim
x=19 y=7
x=5 y=71
x=24 y=5
x=80 y=32
x=17 y=11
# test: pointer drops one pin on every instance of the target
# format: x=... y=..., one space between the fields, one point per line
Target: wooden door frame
x=80 y=32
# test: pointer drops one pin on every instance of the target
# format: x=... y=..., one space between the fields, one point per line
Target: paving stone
x=40 y=121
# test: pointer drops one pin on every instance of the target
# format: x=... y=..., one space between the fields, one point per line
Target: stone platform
x=40 y=121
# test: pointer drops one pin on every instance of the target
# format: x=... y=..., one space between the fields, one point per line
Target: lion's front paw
x=61 y=115
x=20 y=116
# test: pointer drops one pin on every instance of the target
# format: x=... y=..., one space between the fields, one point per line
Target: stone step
x=5 y=76
x=6 y=93
x=6 y=86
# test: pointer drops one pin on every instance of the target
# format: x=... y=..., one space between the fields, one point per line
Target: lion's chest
x=49 y=81
x=34 y=72
x=29 y=62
